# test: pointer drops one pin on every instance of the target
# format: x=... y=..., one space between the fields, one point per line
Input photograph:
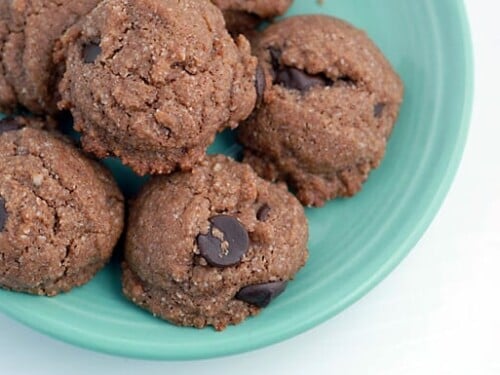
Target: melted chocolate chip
x=378 y=109
x=9 y=124
x=293 y=78
x=226 y=243
x=261 y=295
x=260 y=83
x=296 y=79
x=263 y=212
x=3 y=214
x=90 y=52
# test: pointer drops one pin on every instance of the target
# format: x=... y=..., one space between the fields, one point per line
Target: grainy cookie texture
x=330 y=101
x=212 y=246
x=61 y=213
x=153 y=81
x=244 y=15
x=7 y=95
x=29 y=31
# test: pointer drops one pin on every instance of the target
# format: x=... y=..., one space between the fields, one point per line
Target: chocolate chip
x=9 y=124
x=293 y=78
x=275 y=57
x=263 y=212
x=378 y=109
x=296 y=79
x=260 y=83
x=226 y=243
x=261 y=295
x=90 y=52
x=210 y=246
x=3 y=214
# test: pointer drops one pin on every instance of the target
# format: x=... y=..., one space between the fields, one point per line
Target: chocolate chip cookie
x=212 y=246
x=153 y=81
x=329 y=102
x=60 y=213
x=244 y=15
x=29 y=31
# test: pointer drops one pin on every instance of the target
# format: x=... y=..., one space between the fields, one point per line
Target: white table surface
x=438 y=313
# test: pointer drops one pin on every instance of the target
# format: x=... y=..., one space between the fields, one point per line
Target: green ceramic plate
x=354 y=243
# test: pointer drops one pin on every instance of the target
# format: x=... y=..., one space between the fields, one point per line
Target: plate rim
x=390 y=264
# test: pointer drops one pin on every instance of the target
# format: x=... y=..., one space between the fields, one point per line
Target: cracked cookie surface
x=212 y=246
x=61 y=213
x=330 y=100
x=29 y=31
x=152 y=82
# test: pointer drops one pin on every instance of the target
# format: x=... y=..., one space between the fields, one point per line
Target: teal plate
x=354 y=243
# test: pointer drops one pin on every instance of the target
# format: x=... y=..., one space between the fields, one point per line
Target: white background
x=438 y=313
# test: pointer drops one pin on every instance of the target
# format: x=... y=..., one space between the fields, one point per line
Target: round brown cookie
x=244 y=15
x=152 y=82
x=212 y=246
x=330 y=100
x=29 y=30
x=61 y=213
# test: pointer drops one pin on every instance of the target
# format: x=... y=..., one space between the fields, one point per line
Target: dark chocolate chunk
x=378 y=109
x=209 y=245
x=3 y=214
x=293 y=78
x=226 y=243
x=263 y=212
x=260 y=83
x=90 y=52
x=9 y=124
x=296 y=79
x=275 y=57
x=261 y=295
